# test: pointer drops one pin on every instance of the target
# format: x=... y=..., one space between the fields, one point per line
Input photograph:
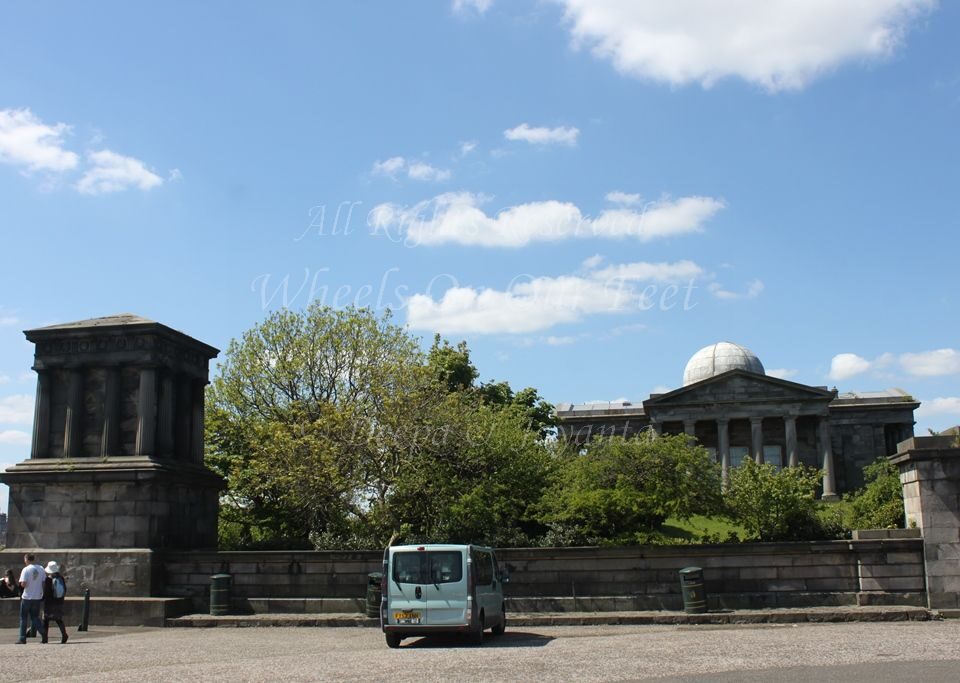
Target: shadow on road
x=508 y=639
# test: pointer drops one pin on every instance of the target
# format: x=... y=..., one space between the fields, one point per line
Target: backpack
x=59 y=587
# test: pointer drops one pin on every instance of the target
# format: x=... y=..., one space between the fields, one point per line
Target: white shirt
x=32 y=578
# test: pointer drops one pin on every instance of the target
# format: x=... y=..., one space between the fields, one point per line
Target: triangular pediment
x=739 y=386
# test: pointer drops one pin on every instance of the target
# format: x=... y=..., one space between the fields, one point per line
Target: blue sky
x=587 y=191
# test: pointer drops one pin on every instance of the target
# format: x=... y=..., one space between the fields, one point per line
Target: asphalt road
x=874 y=652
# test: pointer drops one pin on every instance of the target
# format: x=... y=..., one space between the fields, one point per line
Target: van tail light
x=470 y=587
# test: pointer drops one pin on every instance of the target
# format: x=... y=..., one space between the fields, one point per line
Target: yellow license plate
x=407 y=617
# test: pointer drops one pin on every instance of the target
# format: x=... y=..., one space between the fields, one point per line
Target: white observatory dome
x=715 y=359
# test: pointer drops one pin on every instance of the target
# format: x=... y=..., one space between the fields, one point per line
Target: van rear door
x=446 y=591
x=408 y=601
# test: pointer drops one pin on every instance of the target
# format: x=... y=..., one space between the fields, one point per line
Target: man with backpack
x=31 y=598
x=54 y=591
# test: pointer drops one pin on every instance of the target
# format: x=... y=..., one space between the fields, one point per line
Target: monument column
x=756 y=439
x=110 y=437
x=73 y=427
x=826 y=451
x=690 y=429
x=196 y=421
x=790 y=428
x=165 y=416
x=147 y=412
x=723 y=447
x=41 y=417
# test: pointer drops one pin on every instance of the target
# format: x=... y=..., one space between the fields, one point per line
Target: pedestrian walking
x=54 y=592
x=32 y=579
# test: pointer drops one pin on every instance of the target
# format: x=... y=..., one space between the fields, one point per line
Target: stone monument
x=117 y=454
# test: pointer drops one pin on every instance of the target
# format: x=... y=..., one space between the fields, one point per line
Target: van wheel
x=502 y=626
x=393 y=640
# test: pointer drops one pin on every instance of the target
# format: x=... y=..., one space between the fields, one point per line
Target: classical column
x=756 y=439
x=196 y=422
x=790 y=428
x=723 y=448
x=110 y=437
x=166 y=416
x=73 y=425
x=826 y=451
x=41 y=417
x=147 y=412
x=182 y=407
x=690 y=429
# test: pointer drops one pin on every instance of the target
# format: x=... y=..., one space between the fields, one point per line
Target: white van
x=430 y=589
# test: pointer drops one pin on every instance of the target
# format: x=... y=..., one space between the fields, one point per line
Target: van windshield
x=433 y=566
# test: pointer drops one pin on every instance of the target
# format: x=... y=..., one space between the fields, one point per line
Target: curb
x=782 y=616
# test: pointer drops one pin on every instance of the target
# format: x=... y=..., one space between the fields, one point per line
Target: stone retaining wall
x=749 y=575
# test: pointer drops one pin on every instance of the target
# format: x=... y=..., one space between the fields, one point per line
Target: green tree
x=775 y=505
x=619 y=490
x=879 y=504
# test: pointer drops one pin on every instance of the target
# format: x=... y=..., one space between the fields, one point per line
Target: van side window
x=484 y=568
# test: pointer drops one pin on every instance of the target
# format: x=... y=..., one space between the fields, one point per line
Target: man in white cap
x=31 y=599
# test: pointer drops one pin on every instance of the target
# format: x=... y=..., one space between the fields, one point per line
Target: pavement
x=854 y=652
x=720 y=617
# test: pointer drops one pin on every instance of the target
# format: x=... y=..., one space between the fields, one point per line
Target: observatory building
x=735 y=410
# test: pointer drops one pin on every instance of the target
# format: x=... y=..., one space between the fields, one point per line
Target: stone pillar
x=790 y=428
x=183 y=417
x=110 y=436
x=41 y=417
x=723 y=448
x=826 y=453
x=756 y=439
x=930 y=476
x=166 y=417
x=73 y=427
x=690 y=429
x=196 y=421
x=147 y=412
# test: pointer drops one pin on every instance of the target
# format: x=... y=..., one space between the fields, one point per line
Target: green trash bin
x=220 y=594
x=373 y=593
x=691 y=585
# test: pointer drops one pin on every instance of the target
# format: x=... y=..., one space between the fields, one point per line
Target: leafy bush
x=879 y=504
x=776 y=505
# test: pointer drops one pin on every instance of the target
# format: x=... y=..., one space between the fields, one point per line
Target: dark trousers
x=30 y=611
x=58 y=621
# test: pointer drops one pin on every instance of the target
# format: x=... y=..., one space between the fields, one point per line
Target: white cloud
x=4 y=379
x=539 y=135
x=592 y=262
x=470 y=6
x=527 y=306
x=112 y=172
x=931 y=363
x=419 y=170
x=174 y=175
x=8 y=320
x=776 y=44
x=560 y=341
x=467 y=147
x=846 y=365
x=538 y=303
x=754 y=289
x=455 y=217
x=416 y=170
x=16 y=409
x=12 y=436
x=782 y=373
x=28 y=142
x=624 y=198
x=680 y=271
x=949 y=405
